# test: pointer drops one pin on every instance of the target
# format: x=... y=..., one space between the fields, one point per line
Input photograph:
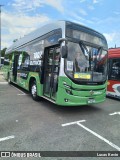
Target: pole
x=0 y=32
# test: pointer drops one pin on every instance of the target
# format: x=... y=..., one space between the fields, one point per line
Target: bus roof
x=44 y=30
x=36 y=34
x=114 y=52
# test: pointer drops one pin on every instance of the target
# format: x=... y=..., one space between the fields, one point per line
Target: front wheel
x=34 y=91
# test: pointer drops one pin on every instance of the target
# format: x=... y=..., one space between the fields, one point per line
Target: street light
x=0 y=31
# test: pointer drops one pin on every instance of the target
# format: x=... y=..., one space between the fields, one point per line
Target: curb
x=3 y=82
x=1 y=73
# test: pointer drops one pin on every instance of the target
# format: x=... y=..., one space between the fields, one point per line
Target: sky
x=20 y=17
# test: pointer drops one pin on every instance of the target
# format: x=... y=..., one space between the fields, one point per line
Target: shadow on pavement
x=113 y=98
x=86 y=109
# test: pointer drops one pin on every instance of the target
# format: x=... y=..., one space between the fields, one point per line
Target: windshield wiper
x=84 y=49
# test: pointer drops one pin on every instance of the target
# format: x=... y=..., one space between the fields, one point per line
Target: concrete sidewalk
x=2 y=79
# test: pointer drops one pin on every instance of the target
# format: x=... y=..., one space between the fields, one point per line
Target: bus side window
x=25 y=62
x=19 y=62
x=6 y=61
x=115 y=73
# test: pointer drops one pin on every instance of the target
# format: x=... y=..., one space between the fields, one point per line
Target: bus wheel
x=34 y=91
x=9 y=79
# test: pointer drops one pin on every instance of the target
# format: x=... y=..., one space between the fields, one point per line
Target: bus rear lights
x=66 y=100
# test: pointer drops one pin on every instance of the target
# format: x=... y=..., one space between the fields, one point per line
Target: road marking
x=114 y=113
x=92 y=132
x=100 y=137
x=3 y=82
x=6 y=138
x=22 y=93
x=68 y=124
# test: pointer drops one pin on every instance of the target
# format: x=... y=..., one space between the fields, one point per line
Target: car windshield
x=86 y=63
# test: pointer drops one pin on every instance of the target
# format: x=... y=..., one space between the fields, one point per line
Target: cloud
x=79 y=19
x=20 y=21
x=81 y=1
x=15 y=26
x=83 y=12
x=56 y=4
x=90 y=7
x=110 y=21
x=95 y=1
x=110 y=36
x=113 y=39
x=117 y=13
x=76 y=16
x=28 y=5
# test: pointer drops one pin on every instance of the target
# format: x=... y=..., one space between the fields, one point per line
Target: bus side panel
x=113 y=88
x=5 y=70
x=22 y=79
x=25 y=82
x=7 y=65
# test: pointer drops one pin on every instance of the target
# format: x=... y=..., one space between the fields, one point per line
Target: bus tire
x=9 y=79
x=33 y=89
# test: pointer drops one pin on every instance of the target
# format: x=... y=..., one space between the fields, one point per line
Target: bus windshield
x=86 y=63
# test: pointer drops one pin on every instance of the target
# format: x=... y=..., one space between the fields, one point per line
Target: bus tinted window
x=7 y=59
x=115 y=69
x=26 y=61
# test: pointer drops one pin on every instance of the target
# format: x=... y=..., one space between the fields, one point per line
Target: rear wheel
x=34 y=91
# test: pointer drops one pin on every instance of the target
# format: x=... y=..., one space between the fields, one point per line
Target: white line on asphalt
x=94 y=133
x=6 y=138
x=99 y=136
x=114 y=113
x=68 y=124
x=19 y=91
x=3 y=82
x=21 y=94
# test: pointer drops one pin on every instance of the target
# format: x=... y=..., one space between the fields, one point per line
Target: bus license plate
x=91 y=100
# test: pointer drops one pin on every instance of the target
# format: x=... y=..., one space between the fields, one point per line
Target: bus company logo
x=91 y=92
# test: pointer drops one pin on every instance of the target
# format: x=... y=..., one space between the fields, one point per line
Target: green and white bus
x=63 y=62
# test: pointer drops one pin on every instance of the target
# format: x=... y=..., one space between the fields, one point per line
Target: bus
x=60 y=62
x=113 y=88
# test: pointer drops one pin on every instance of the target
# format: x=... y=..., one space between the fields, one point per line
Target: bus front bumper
x=65 y=98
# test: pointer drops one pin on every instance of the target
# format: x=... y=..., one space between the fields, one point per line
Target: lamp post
x=0 y=32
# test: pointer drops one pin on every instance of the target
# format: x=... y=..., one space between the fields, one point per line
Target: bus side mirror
x=63 y=48
x=64 y=51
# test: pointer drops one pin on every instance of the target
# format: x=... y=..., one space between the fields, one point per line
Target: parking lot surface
x=26 y=125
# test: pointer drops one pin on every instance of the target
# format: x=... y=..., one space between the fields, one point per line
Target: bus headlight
x=69 y=91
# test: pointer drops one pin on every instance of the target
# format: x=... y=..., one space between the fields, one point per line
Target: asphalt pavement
x=26 y=125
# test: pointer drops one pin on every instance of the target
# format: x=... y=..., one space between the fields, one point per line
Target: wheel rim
x=33 y=90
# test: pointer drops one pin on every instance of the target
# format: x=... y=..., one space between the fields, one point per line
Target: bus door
x=51 y=72
x=15 y=64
